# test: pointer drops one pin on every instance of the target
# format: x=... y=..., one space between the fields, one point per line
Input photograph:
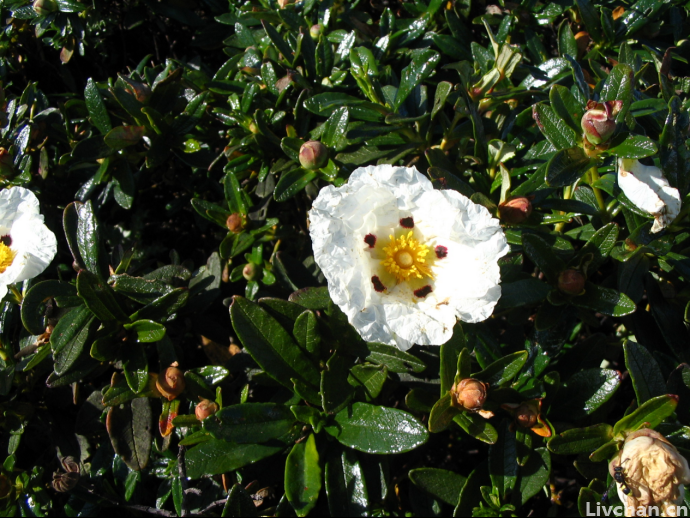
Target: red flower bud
x=571 y=282
x=515 y=210
x=313 y=155
x=599 y=121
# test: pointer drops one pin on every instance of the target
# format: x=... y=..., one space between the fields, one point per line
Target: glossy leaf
x=303 y=476
x=130 y=430
x=346 y=488
x=251 y=423
x=649 y=414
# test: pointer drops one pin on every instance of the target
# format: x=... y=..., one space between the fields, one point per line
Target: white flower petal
x=647 y=188
x=373 y=205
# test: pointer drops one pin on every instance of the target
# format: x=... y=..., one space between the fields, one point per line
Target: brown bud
x=469 y=394
x=571 y=282
x=236 y=223
x=599 y=121
x=205 y=408
x=171 y=382
x=313 y=155
x=528 y=415
x=516 y=210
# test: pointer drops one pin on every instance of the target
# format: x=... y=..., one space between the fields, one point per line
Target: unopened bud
x=315 y=31
x=251 y=271
x=571 y=282
x=171 y=382
x=313 y=155
x=599 y=121
x=515 y=210
x=44 y=7
x=236 y=223
x=6 y=163
x=469 y=394
x=205 y=408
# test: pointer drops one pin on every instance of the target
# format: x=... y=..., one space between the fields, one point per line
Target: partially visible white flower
x=646 y=187
x=651 y=473
x=27 y=246
x=404 y=261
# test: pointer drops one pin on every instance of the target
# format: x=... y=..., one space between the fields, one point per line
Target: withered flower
x=470 y=394
x=599 y=121
x=64 y=482
x=171 y=382
x=528 y=415
x=516 y=210
x=205 y=408
x=651 y=473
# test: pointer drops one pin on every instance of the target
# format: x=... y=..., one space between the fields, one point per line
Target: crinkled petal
x=346 y=221
x=649 y=190
x=16 y=203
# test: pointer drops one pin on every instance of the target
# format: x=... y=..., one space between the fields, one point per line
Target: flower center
x=6 y=257
x=406 y=258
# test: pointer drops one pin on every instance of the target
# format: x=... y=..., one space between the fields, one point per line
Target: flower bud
x=515 y=210
x=571 y=282
x=251 y=271
x=205 y=408
x=469 y=394
x=6 y=163
x=171 y=382
x=650 y=473
x=599 y=121
x=236 y=223
x=44 y=7
x=313 y=155
x=315 y=31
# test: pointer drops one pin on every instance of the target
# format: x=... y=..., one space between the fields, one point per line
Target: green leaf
x=604 y=300
x=336 y=392
x=619 y=87
x=377 y=429
x=440 y=483
x=291 y=147
x=443 y=89
x=503 y=466
x=564 y=104
x=91 y=252
x=135 y=367
x=503 y=370
x=649 y=414
x=585 y=392
x=634 y=146
x=303 y=476
x=449 y=354
x=523 y=292
x=217 y=456
x=476 y=426
x=581 y=440
x=69 y=337
x=345 y=485
x=599 y=246
x=122 y=137
x=250 y=423
x=673 y=148
x=421 y=67
x=311 y=298
x=470 y=496
x=590 y=19
x=555 y=129
x=442 y=414
x=566 y=40
x=335 y=129
x=99 y=298
x=164 y=307
x=306 y=332
x=647 y=378
x=33 y=309
x=534 y=475
x=270 y=345
x=130 y=430
x=279 y=43
x=292 y=182
x=393 y=358
x=147 y=330
x=233 y=194
x=566 y=166
x=370 y=378
x=96 y=106
x=543 y=256
x=239 y=503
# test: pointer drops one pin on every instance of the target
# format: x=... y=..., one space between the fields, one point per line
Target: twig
x=210 y=507
x=139 y=508
x=182 y=471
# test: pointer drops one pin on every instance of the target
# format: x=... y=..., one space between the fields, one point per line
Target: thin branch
x=182 y=471
x=138 y=508
x=210 y=507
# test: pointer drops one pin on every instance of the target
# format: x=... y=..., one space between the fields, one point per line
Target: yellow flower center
x=6 y=257
x=406 y=258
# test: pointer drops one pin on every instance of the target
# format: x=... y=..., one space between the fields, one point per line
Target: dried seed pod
x=469 y=394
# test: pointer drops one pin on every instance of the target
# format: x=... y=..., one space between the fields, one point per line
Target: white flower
x=27 y=246
x=646 y=187
x=649 y=472
x=404 y=261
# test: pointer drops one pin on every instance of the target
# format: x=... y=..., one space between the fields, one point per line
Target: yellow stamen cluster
x=406 y=258
x=6 y=257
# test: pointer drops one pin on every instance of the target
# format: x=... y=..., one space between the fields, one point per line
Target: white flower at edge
x=653 y=474
x=404 y=261
x=27 y=246
x=646 y=187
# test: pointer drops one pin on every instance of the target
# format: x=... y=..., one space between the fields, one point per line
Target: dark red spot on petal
x=441 y=251
x=370 y=239
x=6 y=240
x=378 y=285
x=423 y=291
x=407 y=222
